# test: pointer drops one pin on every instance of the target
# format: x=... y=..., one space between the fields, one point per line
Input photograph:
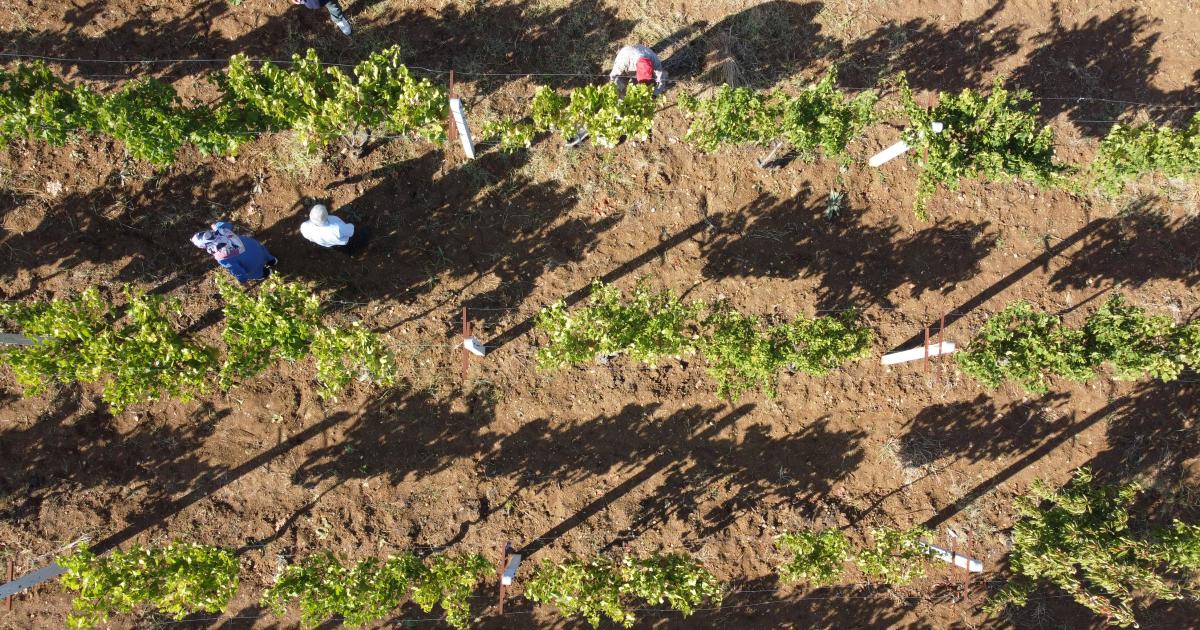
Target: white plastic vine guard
x=963 y=562
x=464 y=132
x=912 y=354
x=474 y=346
x=510 y=570
x=898 y=149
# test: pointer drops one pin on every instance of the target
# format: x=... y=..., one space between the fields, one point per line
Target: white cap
x=319 y=214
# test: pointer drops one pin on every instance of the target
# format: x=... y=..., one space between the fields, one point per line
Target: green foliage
x=448 y=581
x=1128 y=152
x=147 y=359
x=307 y=98
x=599 y=110
x=319 y=103
x=602 y=587
x=1026 y=346
x=1079 y=539
x=36 y=104
x=996 y=137
x=742 y=356
x=65 y=331
x=590 y=589
x=178 y=579
x=371 y=589
x=1132 y=341
x=647 y=325
x=820 y=116
x=386 y=95
x=817 y=557
x=510 y=135
x=342 y=354
x=896 y=556
x=361 y=594
x=277 y=323
x=140 y=361
x=148 y=116
x=732 y=116
x=674 y=578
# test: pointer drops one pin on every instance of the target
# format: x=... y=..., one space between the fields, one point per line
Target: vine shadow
x=856 y=264
x=964 y=55
x=1139 y=245
x=1109 y=58
x=430 y=225
x=670 y=467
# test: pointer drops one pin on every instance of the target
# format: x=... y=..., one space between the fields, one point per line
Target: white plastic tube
x=464 y=132
x=510 y=570
x=888 y=154
x=912 y=354
x=474 y=346
x=898 y=149
x=963 y=562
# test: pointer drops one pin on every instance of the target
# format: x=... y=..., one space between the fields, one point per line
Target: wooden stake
x=8 y=600
x=503 y=563
x=466 y=354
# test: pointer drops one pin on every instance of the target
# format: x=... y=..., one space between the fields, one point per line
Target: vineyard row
x=993 y=136
x=139 y=355
x=1082 y=529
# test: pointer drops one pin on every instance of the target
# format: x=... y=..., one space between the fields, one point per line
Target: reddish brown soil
x=602 y=457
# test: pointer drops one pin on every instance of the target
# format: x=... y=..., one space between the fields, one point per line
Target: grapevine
x=1027 y=346
x=361 y=594
x=1080 y=539
x=599 y=110
x=742 y=356
x=77 y=339
x=1128 y=152
x=819 y=117
x=178 y=579
x=993 y=137
x=646 y=326
x=895 y=556
x=371 y=589
x=278 y=323
x=817 y=557
x=602 y=587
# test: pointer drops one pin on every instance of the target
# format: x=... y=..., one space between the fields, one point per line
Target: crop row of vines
x=993 y=136
x=1017 y=344
x=138 y=353
x=1078 y=538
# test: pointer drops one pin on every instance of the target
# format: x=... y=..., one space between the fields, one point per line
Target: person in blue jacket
x=335 y=12
x=243 y=256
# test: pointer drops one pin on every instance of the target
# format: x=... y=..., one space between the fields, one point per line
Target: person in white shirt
x=640 y=64
x=325 y=230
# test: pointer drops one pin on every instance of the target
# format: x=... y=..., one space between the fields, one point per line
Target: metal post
x=8 y=600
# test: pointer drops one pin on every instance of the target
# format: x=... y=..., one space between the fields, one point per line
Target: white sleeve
x=621 y=63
